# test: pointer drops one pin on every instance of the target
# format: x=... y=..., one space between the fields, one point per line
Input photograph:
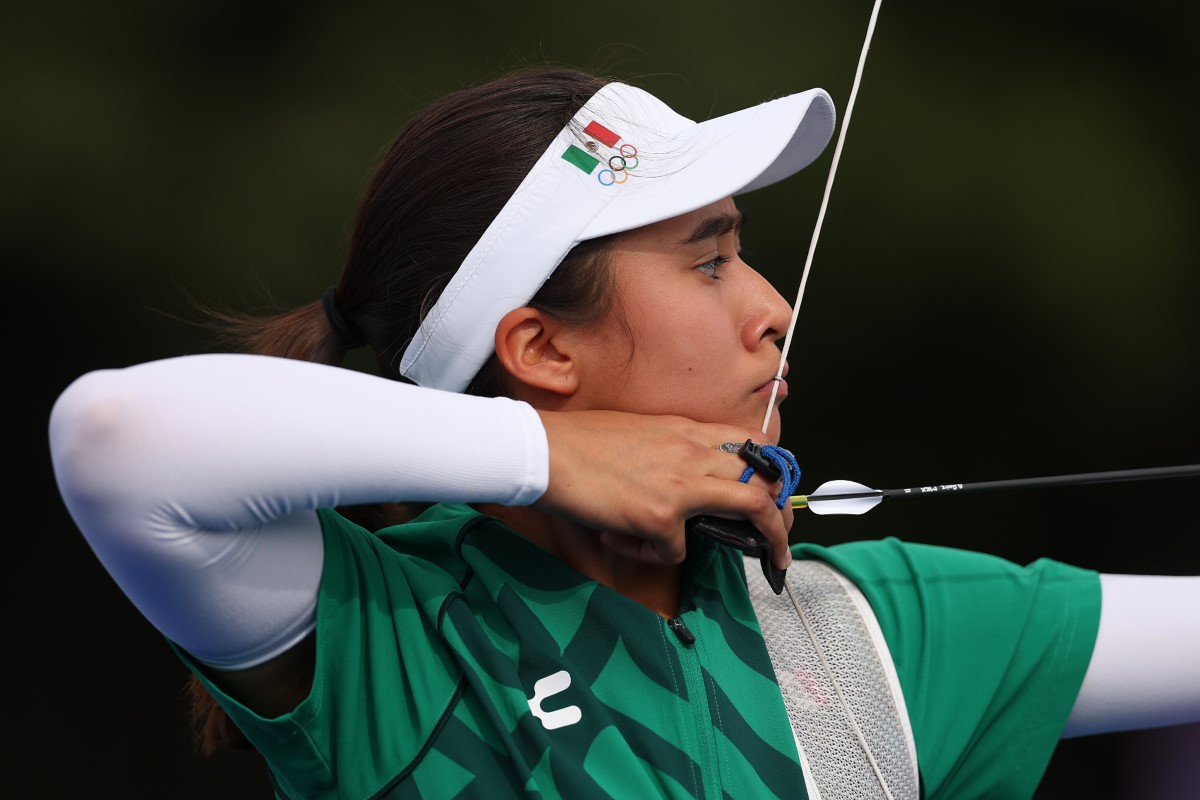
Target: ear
x=528 y=345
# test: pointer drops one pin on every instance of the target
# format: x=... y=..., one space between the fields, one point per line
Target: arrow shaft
x=1077 y=479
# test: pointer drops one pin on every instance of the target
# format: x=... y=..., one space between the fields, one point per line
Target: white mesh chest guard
x=839 y=685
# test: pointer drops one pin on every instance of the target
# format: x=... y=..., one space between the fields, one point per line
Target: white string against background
x=812 y=246
x=787 y=343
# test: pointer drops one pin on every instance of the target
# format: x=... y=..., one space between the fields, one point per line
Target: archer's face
x=702 y=325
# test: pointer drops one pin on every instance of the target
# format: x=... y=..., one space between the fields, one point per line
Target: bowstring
x=812 y=245
x=787 y=344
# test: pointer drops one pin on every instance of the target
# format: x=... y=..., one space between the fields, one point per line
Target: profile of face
x=694 y=330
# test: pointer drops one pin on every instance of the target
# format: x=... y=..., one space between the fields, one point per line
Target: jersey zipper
x=697 y=692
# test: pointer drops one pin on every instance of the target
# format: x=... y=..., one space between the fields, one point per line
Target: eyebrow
x=716 y=225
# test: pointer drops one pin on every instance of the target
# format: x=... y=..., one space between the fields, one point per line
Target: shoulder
x=898 y=562
x=925 y=593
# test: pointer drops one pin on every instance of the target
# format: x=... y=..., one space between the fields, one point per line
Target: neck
x=655 y=586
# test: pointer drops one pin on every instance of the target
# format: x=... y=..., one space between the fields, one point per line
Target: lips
x=766 y=389
x=783 y=386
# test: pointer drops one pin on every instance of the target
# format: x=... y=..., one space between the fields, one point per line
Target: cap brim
x=721 y=157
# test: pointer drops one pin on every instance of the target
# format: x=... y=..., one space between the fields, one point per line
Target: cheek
x=681 y=340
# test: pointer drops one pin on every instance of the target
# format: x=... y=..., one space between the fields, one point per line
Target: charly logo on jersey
x=620 y=164
x=546 y=688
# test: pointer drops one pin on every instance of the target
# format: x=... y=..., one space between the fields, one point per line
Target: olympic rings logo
x=619 y=166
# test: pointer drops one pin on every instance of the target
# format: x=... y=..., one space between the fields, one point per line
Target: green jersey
x=990 y=656
x=455 y=659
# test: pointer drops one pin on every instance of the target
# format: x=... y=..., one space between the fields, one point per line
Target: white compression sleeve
x=1145 y=669
x=195 y=479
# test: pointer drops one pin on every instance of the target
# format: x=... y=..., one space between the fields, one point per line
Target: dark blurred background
x=1006 y=284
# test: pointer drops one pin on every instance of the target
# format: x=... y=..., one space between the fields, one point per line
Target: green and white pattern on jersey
x=435 y=638
x=432 y=638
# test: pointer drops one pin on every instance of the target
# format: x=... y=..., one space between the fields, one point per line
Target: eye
x=710 y=268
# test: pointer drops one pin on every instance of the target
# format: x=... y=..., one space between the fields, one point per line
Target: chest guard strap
x=839 y=685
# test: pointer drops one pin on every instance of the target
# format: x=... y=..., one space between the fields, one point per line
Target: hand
x=637 y=478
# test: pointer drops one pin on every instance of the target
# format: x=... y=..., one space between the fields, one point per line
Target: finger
x=774 y=526
x=788 y=515
x=727 y=463
x=754 y=504
x=761 y=466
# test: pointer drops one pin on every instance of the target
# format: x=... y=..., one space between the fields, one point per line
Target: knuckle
x=760 y=498
x=659 y=518
x=686 y=449
x=672 y=484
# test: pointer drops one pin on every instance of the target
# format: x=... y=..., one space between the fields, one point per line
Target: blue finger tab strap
x=776 y=464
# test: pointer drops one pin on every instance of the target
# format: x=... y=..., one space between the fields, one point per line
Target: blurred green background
x=1006 y=283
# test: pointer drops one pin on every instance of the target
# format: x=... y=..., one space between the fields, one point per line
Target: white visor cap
x=625 y=160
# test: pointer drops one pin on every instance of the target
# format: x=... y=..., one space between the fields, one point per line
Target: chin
x=774 y=428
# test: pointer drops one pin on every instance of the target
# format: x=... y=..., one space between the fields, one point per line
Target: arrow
x=848 y=497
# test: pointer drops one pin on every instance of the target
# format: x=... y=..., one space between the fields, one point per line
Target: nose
x=769 y=315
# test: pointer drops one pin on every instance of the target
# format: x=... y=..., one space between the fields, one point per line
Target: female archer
x=471 y=575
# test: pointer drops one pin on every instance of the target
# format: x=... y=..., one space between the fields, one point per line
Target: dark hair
x=437 y=188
